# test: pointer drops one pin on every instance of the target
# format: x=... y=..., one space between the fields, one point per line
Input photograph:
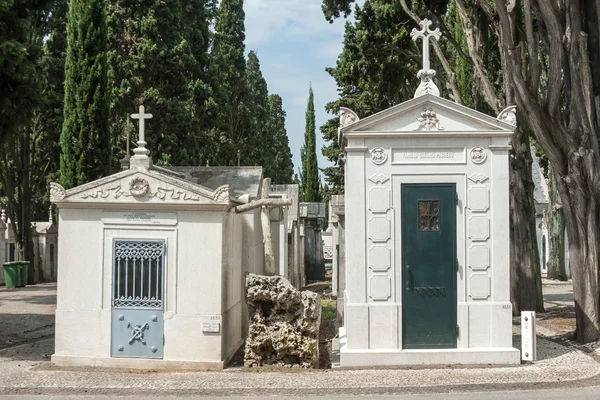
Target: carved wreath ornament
x=378 y=155
x=139 y=187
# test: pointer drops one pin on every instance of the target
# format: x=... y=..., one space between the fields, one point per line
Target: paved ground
x=26 y=341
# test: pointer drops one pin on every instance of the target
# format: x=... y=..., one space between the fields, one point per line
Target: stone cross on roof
x=426 y=74
x=141 y=158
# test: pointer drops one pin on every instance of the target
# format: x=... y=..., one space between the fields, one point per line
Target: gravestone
x=427 y=211
x=150 y=272
x=311 y=217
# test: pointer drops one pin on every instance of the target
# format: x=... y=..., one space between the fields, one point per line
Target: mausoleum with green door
x=427 y=232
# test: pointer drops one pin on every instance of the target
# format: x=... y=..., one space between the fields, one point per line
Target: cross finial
x=142 y=116
x=425 y=33
x=426 y=75
x=141 y=158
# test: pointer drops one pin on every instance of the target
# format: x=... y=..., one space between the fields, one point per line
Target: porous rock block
x=284 y=323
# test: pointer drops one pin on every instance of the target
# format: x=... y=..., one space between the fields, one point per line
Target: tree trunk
x=582 y=217
x=526 y=277
x=556 y=233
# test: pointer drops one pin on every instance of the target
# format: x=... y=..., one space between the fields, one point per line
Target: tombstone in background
x=337 y=219
x=311 y=217
x=292 y=241
x=541 y=199
x=46 y=249
x=427 y=230
x=3 y=257
x=150 y=271
x=327 y=240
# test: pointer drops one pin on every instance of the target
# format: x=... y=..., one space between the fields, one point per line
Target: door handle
x=408 y=278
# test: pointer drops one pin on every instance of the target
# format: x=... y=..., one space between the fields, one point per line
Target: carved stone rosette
x=478 y=155
x=139 y=187
x=378 y=156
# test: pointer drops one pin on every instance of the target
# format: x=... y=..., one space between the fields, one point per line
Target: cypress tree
x=282 y=155
x=260 y=147
x=18 y=91
x=85 y=140
x=228 y=72
x=310 y=168
x=158 y=56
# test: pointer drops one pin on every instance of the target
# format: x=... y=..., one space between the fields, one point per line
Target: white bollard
x=528 y=338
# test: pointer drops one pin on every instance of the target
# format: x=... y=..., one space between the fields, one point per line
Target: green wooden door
x=429 y=266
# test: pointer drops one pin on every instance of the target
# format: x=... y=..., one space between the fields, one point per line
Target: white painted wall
x=203 y=279
x=373 y=312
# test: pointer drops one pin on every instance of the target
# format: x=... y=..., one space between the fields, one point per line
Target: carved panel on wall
x=380 y=287
x=480 y=286
x=479 y=199
x=379 y=258
x=379 y=178
x=379 y=200
x=479 y=257
x=478 y=177
x=379 y=229
x=479 y=228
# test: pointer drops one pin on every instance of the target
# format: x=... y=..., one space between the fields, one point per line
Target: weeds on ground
x=328 y=310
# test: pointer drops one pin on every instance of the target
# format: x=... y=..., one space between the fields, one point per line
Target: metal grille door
x=138 y=298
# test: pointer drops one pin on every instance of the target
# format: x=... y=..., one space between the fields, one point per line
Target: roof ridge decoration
x=347 y=117
x=426 y=74
x=509 y=116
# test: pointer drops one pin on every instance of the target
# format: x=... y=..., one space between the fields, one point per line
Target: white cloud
x=268 y=20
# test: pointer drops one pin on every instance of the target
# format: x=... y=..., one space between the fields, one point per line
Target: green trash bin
x=12 y=274
x=24 y=265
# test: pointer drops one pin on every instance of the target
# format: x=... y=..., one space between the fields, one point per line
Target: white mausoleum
x=150 y=271
x=427 y=232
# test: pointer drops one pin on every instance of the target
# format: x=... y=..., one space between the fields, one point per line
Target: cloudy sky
x=295 y=44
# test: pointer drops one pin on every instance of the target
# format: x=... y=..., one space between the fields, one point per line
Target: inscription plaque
x=139 y=218
x=439 y=155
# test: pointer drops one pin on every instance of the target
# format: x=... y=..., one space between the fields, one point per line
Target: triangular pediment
x=141 y=186
x=429 y=114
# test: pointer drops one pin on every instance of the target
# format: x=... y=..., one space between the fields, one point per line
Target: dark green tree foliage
x=284 y=168
x=311 y=183
x=259 y=148
x=376 y=70
x=22 y=31
x=228 y=71
x=85 y=139
x=158 y=57
x=48 y=117
x=18 y=94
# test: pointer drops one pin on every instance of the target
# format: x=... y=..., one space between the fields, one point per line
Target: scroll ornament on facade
x=428 y=121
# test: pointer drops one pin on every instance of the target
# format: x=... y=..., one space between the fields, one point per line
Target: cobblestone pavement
x=25 y=367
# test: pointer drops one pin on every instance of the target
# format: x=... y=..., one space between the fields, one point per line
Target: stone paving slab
x=25 y=368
